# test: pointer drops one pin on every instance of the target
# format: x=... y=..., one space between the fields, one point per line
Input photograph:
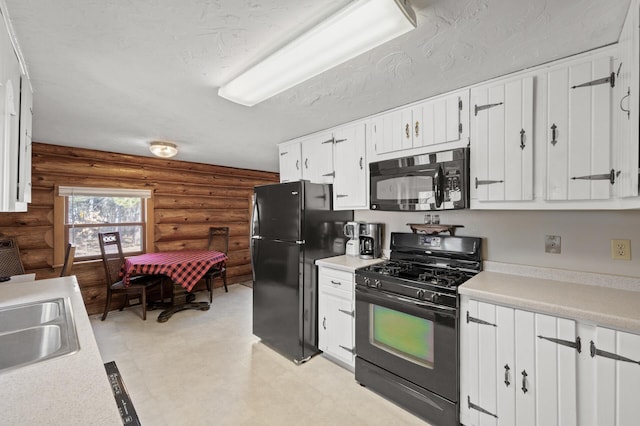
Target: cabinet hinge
x=478 y=321
x=473 y=406
x=611 y=80
x=332 y=174
x=460 y=104
x=350 y=313
x=599 y=352
x=487 y=182
x=478 y=108
x=339 y=140
x=332 y=140
x=611 y=176
x=577 y=345
x=352 y=350
x=283 y=153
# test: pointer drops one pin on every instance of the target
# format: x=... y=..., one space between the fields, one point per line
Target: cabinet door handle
x=522 y=145
x=324 y=323
x=361 y=163
x=554 y=139
x=297 y=164
x=628 y=111
x=417 y=128
x=336 y=282
x=306 y=163
x=524 y=381
x=599 y=352
x=406 y=131
x=350 y=313
x=506 y=375
x=352 y=350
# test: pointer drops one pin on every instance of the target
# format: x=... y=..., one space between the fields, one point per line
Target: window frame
x=61 y=228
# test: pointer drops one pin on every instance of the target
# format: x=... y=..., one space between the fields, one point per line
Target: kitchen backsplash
x=518 y=236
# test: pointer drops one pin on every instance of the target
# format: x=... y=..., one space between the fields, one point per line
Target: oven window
x=401 y=334
x=404 y=188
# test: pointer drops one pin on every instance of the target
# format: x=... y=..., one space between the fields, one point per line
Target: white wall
x=518 y=236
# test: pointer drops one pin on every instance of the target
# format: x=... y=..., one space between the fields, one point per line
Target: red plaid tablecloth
x=185 y=267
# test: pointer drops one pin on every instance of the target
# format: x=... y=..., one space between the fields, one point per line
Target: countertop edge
x=347 y=263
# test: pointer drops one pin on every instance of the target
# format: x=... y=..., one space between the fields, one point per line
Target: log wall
x=188 y=199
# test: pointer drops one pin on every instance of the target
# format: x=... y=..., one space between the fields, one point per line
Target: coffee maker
x=352 y=231
x=370 y=240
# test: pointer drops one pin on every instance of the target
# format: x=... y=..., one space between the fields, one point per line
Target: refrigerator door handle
x=255 y=217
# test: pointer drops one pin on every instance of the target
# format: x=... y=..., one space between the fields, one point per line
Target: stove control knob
x=420 y=294
x=377 y=284
x=434 y=298
x=367 y=282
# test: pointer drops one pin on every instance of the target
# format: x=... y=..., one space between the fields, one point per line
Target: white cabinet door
x=502 y=141
x=24 y=163
x=441 y=119
x=350 y=182
x=388 y=131
x=478 y=396
x=506 y=362
x=556 y=369
x=616 y=358
x=317 y=158
x=340 y=341
x=579 y=130
x=626 y=106
x=290 y=162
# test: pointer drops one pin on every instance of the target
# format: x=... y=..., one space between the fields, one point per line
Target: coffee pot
x=370 y=240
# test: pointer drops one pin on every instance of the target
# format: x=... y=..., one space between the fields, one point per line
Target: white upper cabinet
x=317 y=158
x=626 y=106
x=15 y=129
x=350 y=182
x=437 y=120
x=290 y=161
x=579 y=133
x=502 y=140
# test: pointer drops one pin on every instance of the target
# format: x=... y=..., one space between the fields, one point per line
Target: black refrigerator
x=292 y=226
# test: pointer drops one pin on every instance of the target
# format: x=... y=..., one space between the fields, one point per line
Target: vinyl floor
x=207 y=368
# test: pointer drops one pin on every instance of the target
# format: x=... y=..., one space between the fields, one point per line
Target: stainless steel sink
x=35 y=332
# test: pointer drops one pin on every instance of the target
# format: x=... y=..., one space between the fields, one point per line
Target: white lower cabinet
x=336 y=315
x=526 y=368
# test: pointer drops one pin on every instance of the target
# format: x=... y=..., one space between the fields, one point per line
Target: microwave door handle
x=438 y=183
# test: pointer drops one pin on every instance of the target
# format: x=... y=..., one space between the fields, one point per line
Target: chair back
x=10 y=261
x=112 y=256
x=69 y=255
x=219 y=239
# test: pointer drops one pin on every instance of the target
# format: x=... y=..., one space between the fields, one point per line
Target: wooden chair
x=10 y=261
x=113 y=260
x=69 y=255
x=218 y=241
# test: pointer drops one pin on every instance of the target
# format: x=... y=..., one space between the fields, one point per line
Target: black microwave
x=434 y=181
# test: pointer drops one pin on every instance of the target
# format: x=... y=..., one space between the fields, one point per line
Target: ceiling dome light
x=163 y=149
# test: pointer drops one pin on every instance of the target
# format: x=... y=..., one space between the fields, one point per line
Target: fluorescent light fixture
x=163 y=149
x=359 y=27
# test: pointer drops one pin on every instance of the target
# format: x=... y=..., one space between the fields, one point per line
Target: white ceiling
x=115 y=74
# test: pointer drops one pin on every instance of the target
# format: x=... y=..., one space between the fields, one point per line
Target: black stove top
x=428 y=268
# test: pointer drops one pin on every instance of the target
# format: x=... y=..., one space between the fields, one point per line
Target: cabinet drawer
x=332 y=279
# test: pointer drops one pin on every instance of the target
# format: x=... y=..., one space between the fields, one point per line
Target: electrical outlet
x=621 y=249
x=552 y=244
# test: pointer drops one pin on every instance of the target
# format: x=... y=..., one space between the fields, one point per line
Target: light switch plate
x=552 y=244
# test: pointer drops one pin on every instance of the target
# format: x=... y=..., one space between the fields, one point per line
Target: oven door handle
x=382 y=298
x=438 y=183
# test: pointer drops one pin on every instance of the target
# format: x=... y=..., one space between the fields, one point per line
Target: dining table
x=183 y=267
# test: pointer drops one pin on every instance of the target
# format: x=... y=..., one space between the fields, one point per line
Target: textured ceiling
x=115 y=74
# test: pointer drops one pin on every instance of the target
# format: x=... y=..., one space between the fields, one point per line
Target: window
x=88 y=211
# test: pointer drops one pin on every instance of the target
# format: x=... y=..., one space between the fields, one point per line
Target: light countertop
x=601 y=305
x=347 y=263
x=71 y=389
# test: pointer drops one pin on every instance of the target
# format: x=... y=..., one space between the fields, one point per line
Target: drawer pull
x=336 y=282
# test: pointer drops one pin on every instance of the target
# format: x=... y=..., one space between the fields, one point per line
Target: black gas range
x=407 y=322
